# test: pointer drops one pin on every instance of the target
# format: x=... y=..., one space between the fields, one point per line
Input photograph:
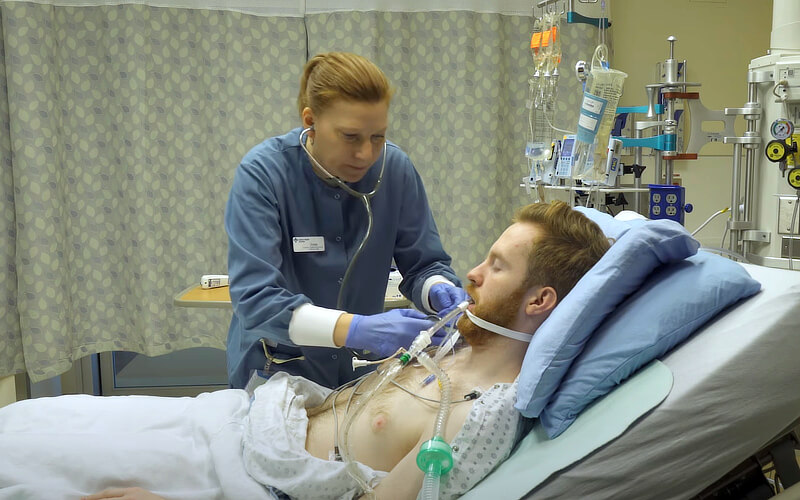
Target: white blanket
x=66 y=447
x=275 y=438
x=214 y=446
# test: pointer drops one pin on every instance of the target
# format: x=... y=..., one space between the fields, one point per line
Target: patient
x=536 y=261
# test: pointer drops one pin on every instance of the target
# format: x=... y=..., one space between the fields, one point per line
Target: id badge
x=301 y=244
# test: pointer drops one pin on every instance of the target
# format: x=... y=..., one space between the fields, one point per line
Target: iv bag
x=599 y=106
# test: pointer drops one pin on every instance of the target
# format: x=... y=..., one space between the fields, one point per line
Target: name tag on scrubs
x=308 y=244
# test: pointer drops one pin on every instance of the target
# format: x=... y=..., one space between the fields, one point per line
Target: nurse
x=307 y=281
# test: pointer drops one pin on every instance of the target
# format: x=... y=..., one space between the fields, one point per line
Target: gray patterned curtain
x=120 y=133
x=121 y=127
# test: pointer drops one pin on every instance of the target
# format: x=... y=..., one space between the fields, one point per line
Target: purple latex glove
x=383 y=333
x=443 y=297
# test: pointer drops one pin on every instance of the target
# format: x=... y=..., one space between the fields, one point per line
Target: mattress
x=736 y=386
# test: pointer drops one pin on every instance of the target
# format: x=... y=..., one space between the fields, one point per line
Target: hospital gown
x=214 y=446
x=275 y=198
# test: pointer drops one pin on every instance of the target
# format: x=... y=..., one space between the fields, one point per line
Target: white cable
x=530 y=111
x=704 y=224
x=782 y=83
x=723 y=251
x=568 y=132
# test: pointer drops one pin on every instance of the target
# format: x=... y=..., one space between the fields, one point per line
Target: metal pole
x=637 y=180
x=737 y=166
x=668 y=172
x=750 y=162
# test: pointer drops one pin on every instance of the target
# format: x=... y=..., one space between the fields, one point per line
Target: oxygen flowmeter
x=782 y=150
x=794 y=178
x=776 y=151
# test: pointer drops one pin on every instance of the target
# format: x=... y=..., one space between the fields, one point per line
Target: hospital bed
x=734 y=388
x=668 y=431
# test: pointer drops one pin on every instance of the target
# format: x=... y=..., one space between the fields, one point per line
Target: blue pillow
x=610 y=226
x=558 y=341
x=672 y=304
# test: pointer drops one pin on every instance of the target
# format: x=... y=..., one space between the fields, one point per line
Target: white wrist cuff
x=426 y=288
x=313 y=325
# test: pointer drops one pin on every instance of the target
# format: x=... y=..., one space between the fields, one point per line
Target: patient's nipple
x=379 y=422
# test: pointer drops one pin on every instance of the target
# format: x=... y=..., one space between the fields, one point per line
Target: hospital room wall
x=718 y=38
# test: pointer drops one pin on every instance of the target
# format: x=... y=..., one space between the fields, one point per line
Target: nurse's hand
x=384 y=333
x=443 y=297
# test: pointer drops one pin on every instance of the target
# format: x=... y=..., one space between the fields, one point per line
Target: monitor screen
x=566 y=147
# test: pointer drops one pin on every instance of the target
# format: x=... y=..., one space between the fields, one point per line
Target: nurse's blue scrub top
x=276 y=196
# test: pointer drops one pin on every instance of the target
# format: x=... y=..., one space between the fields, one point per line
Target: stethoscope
x=365 y=197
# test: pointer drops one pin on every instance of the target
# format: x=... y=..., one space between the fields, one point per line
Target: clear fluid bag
x=599 y=106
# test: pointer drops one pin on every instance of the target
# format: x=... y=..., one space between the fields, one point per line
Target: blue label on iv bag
x=592 y=110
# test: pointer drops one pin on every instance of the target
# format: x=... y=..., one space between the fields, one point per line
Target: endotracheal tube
x=435 y=457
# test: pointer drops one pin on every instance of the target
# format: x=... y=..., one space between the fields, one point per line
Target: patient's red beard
x=502 y=314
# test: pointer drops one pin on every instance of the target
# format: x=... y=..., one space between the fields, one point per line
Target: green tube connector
x=436 y=455
x=405 y=358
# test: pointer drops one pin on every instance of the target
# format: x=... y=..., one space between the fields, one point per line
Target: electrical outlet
x=786 y=207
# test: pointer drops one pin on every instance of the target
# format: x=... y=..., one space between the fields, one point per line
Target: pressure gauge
x=794 y=178
x=776 y=151
x=781 y=129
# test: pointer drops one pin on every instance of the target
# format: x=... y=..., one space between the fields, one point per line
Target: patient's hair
x=570 y=246
x=341 y=75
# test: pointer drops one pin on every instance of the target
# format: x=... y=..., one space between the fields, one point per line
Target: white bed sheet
x=736 y=386
x=180 y=448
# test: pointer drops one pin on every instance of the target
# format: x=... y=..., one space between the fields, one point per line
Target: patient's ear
x=540 y=300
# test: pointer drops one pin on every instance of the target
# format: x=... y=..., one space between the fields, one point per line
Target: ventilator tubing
x=423 y=340
x=435 y=457
x=358 y=406
x=416 y=350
